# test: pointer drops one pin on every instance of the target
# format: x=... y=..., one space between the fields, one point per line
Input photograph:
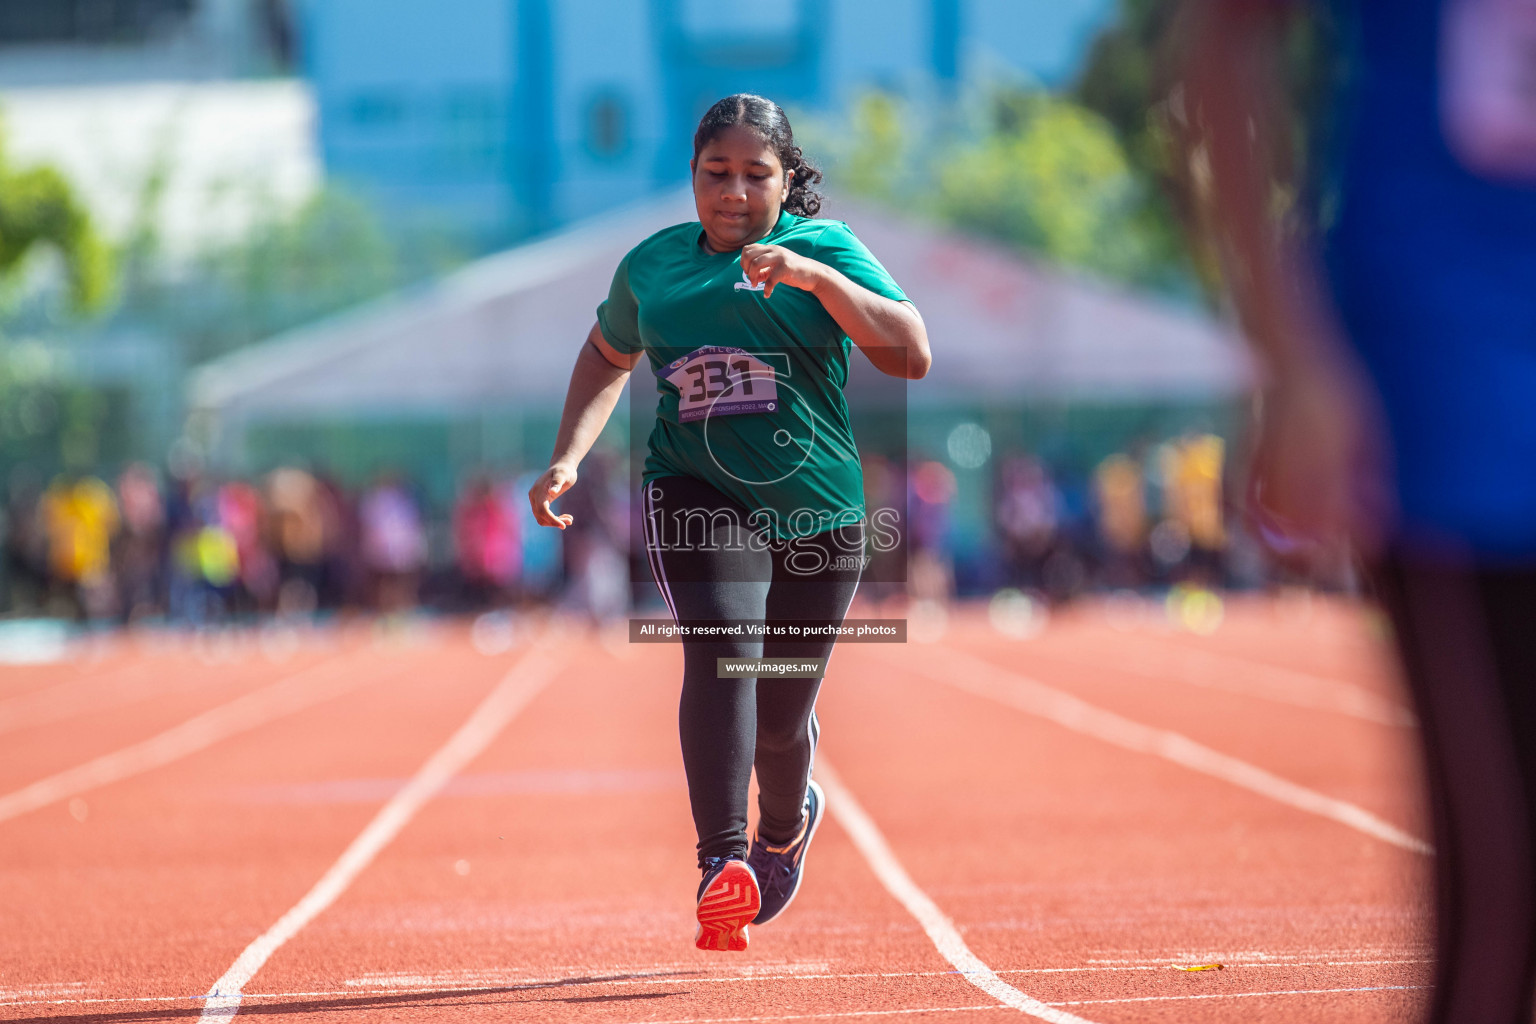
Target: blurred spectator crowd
x=1154 y=516
x=198 y=549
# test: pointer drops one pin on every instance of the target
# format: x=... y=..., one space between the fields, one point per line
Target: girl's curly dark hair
x=767 y=119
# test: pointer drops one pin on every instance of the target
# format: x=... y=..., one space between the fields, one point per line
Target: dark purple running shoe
x=779 y=869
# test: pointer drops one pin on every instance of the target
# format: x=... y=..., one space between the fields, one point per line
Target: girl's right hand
x=552 y=483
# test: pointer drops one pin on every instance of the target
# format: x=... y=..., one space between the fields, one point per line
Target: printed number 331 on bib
x=721 y=381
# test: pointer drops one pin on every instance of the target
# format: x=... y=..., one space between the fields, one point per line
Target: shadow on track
x=445 y=997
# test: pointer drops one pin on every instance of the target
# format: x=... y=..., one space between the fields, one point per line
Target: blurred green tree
x=293 y=265
x=1037 y=171
x=1126 y=79
x=43 y=417
x=1094 y=178
x=298 y=265
x=39 y=209
x=1052 y=178
x=875 y=149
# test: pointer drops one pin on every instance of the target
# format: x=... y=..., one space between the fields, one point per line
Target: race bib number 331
x=722 y=381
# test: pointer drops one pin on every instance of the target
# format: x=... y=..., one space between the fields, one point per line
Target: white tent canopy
x=506 y=330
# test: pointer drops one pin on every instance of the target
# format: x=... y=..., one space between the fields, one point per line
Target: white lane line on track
x=1243 y=677
x=959 y=1009
x=1300 y=686
x=450 y=991
x=74 y=697
x=827 y=1016
x=530 y=983
x=941 y=930
x=293 y=693
x=1245 y=995
x=532 y=672
x=973 y=675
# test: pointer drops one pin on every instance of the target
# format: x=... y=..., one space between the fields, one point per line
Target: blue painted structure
x=504 y=118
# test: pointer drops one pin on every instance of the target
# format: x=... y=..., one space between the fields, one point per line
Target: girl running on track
x=752 y=490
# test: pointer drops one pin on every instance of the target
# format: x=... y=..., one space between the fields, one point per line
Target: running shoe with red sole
x=728 y=901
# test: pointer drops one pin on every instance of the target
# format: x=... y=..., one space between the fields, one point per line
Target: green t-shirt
x=751 y=388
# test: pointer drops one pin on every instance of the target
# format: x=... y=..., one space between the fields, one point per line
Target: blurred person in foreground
x=1429 y=273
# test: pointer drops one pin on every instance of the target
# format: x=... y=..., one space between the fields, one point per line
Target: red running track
x=1016 y=824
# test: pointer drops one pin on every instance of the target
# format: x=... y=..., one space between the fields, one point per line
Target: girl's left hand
x=770 y=265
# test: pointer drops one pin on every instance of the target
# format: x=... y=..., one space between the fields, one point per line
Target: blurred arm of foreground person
x=1318 y=464
x=1430 y=262
x=597 y=381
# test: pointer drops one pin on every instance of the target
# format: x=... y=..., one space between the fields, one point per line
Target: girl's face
x=738 y=187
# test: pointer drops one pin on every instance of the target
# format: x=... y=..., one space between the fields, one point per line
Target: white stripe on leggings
x=657 y=573
x=814 y=725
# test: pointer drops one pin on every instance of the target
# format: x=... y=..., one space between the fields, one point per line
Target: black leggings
x=712 y=565
x=1467 y=636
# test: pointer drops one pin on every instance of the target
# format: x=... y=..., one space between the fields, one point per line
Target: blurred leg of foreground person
x=1428 y=271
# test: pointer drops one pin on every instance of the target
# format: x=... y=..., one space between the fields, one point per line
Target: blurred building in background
x=82 y=42
x=471 y=371
x=177 y=124
x=358 y=241
x=491 y=119
x=508 y=117
x=202 y=134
